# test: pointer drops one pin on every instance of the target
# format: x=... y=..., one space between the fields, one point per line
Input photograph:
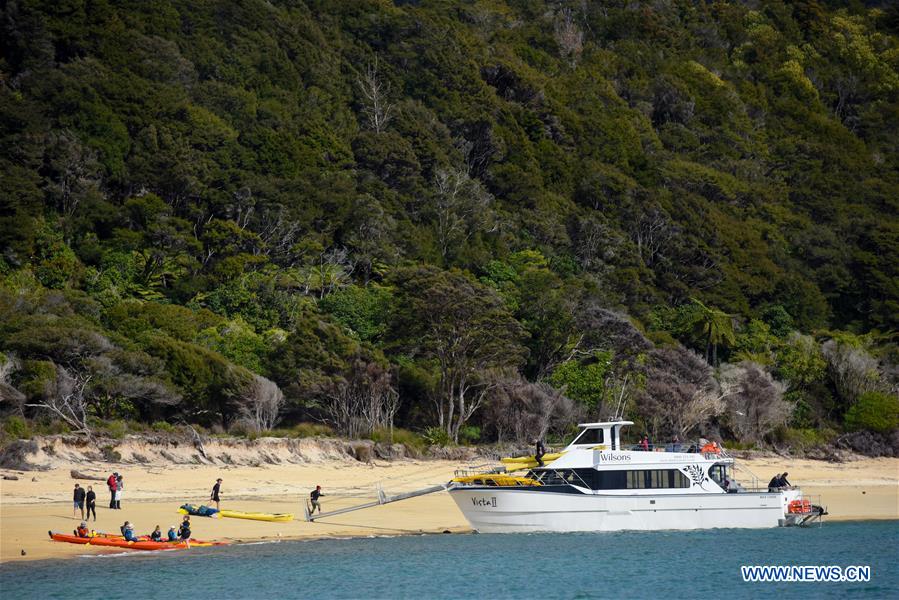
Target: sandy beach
x=41 y=500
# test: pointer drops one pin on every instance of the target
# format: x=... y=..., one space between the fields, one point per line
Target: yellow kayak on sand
x=255 y=516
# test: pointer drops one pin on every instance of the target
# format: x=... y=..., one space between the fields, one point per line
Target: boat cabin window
x=718 y=473
x=590 y=436
x=617 y=480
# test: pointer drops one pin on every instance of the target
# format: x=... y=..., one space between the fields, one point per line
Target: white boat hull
x=505 y=510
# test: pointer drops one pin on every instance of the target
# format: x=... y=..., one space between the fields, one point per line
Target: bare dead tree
x=755 y=400
x=525 y=411
x=461 y=207
x=362 y=401
x=68 y=400
x=375 y=90
x=262 y=401
x=569 y=36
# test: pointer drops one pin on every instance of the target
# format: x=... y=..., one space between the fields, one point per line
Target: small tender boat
x=256 y=516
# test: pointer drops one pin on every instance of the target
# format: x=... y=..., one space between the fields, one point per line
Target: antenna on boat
x=619 y=407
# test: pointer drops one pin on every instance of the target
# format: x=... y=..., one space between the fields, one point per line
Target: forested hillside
x=478 y=220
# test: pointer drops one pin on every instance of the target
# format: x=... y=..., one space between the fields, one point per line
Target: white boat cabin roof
x=603 y=433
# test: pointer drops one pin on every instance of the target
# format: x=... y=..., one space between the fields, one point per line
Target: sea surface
x=600 y=565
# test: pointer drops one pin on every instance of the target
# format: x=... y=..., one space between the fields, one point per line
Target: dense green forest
x=477 y=220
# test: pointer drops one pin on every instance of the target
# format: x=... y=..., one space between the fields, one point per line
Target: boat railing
x=683 y=447
x=473 y=470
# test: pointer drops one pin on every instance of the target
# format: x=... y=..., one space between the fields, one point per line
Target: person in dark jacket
x=78 y=501
x=784 y=484
x=91 y=501
x=156 y=536
x=184 y=530
x=774 y=484
x=540 y=450
x=314 y=496
x=216 y=489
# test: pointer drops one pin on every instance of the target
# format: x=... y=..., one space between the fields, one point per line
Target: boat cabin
x=606 y=435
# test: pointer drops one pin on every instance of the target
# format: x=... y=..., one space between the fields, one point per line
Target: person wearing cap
x=172 y=534
x=314 y=496
x=82 y=530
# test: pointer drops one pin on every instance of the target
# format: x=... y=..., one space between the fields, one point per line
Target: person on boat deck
x=314 y=496
x=540 y=451
x=774 y=484
x=156 y=536
x=128 y=532
x=644 y=444
x=82 y=530
x=184 y=530
x=214 y=496
x=172 y=534
x=784 y=484
x=710 y=448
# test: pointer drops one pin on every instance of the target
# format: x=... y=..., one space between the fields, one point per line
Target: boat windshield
x=590 y=436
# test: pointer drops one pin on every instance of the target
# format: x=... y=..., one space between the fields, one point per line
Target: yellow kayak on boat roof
x=255 y=516
x=529 y=459
x=497 y=480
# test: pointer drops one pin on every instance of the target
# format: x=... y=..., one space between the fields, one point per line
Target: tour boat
x=596 y=484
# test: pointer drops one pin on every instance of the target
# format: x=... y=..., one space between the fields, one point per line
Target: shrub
x=163 y=427
x=470 y=434
x=437 y=436
x=807 y=438
x=400 y=436
x=17 y=427
x=875 y=411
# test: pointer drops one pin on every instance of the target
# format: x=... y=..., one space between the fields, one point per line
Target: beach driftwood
x=10 y=478
x=79 y=475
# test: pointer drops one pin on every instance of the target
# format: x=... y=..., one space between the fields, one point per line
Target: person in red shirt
x=112 y=483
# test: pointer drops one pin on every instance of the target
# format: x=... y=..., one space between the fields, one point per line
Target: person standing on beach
x=111 y=483
x=91 y=500
x=120 y=487
x=214 y=496
x=314 y=496
x=78 y=501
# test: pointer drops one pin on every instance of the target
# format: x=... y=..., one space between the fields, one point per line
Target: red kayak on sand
x=120 y=542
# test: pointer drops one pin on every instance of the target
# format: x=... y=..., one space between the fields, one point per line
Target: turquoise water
x=604 y=565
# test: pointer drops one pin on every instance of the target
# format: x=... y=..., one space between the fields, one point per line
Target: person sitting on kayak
x=156 y=536
x=184 y=530
x=173 y=534
x=128 y=532
x=82 y=530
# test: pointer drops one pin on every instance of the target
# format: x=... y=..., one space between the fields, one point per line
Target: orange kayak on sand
x=120 y=542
